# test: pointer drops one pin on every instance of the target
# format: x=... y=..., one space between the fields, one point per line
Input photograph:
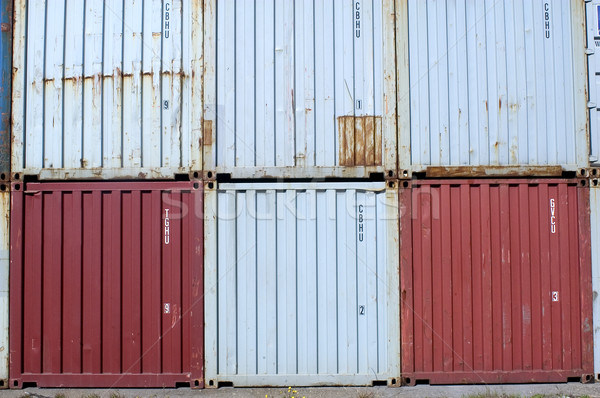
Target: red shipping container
x=106 y=284
x=495 y=281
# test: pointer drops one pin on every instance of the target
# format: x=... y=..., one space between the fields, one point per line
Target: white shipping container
x=300 y=89
x=301 y=283
x=492 y=83
x=107 y=89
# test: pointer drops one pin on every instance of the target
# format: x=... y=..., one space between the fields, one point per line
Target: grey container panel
x=303 y=284
x=301 y=86
x=105 y=89
x=494 y=83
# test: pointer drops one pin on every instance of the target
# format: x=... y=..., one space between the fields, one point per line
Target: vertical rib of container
x=595 y=233
x=4 y=274
x=106 y=284
x=107 y=89
x=496 y=281
x=593 y=51
x=492 y=84
x=6 y=26
x=300 y=89
x=302 y=284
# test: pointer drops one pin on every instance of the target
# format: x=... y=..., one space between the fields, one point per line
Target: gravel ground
x=482 y=391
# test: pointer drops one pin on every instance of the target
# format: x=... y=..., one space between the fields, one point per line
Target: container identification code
x=552 y=216
x=167 y=232
x=547 y=19
x=167 y=19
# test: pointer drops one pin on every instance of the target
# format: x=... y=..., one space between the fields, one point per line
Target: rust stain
x=492 y=171
x=207 y=132
x=360 y=140
x=486 y=106
x=499 y=104
x=5 y=27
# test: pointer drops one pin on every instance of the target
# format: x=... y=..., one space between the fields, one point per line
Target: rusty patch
x=360 y=140
x=492 y=171
x=5 y=27
x=207 y=132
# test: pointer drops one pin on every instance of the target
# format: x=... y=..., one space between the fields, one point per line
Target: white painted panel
x=284 y=75
x=493 y=83
x=302 y=284
x=116 y=92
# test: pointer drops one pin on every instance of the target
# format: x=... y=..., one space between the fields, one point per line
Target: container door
x=496 y=282
x=303 y=286
x=106 y=285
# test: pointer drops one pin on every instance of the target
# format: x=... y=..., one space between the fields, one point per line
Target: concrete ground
x=481 y=391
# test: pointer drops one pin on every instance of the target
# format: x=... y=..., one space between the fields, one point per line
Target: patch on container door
x=359 y=140
x=552 y=216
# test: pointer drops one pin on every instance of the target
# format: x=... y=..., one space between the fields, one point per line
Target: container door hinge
x=589 y=51
x=591 y=105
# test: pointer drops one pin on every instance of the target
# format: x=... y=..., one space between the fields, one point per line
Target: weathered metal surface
x=360 y=140
x=490 y=171
x=492 y=83
x=106 y=284
x=302 y=284
x=113 y=93
x=6 y=26
x=296 y=85
x=496 y=281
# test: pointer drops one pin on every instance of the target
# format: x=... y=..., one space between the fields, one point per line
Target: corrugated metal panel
x=301 y=88
x=109 y=94
x=493 y=83
x=106 y=284
x=4 y=246
x=595 y=232
x=302 y=282
x=495 y=281
x=6 y=26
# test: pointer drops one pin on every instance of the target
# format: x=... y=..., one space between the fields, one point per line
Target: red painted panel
x=495 y=281
x=107 y=284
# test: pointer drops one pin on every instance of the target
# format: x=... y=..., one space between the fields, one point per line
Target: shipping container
x=494 y=83
x=496 y=281
x=595 y=232
x=106 y=284
x=107 y=89
x=6 y=13
x=300 y=89
x=302 y=284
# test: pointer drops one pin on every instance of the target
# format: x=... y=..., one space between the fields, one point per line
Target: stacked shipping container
x=494 y=89
x=302 y=278
x=106 y=276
